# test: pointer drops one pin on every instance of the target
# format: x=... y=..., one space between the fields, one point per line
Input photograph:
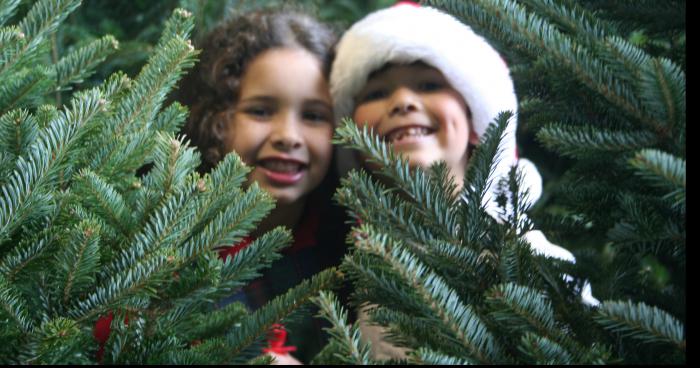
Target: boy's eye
x=315 y=116
x=374 y=94
x=429 y=86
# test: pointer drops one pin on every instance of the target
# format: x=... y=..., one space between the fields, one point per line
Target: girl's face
x=282 y=123
x=415 y=109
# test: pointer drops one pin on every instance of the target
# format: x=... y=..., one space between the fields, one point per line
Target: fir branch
x=79 y=261
x=433 y=204
x=542 y=38
x=41 y=20
x=260 y=254
x=351 y=349
x=61 y=341
x=543 y=350
x=220 y=188
x=152 y=84
x=521 y=309
x=369 y=199
x=571 y=19
x=425 y=356
x=444 y=302
x=662 y=93
x=45 y=159
x=7 y=10
x=172 y=162
x=585 y=141
x=664 y=171
x=232 y=273
x=171 y=119
x=80 y=63
x=230 y=225
x=12 y=41
x=18 y=130
x=137 y=109
x=210 y=324
x=179 y=25
x=103 y=200
x=278 y=309
x=480 y=177
x=413 y=331
x=13 y=308
x=24 y=89
x=646 y=324
x=162 y=233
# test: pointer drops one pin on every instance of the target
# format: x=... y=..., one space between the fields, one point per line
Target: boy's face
x=415 y=109
x=283 y=123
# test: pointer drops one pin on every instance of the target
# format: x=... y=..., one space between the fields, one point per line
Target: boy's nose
x=286 y=134
x=403 y=101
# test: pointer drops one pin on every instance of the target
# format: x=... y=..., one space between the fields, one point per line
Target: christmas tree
x=456 y=286
x=102 y=214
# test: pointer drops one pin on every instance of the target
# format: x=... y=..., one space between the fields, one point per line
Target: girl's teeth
x=401 y=133
x=282 y=166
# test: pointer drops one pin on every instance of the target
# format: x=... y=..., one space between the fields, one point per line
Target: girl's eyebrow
x=258 y=98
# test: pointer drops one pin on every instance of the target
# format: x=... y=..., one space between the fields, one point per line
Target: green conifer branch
x=347 y=338
x=278 y=309
x=20 y=256
x=80 y=63
x=7 y=10
x=664 y=171
x=646 y=324
x=13 y=308
x=433 y=204
x=12 y=40
x=41 y=20
x=582 y=142
x=79 y=262
x=24 y=89
x=45 y=158
x=444 y=302
x=543 y=350
x=171 y=118
x=140 y=105
x=103 y=200
x=425 y=356
x=509 y=19
x=18 y=129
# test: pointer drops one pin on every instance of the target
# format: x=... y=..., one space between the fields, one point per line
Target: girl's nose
x=403 y=101
x=286 y=134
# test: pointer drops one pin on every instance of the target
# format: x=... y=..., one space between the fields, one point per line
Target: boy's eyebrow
x=318 y=102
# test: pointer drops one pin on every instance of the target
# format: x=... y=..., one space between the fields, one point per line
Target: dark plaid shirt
x=318 y=243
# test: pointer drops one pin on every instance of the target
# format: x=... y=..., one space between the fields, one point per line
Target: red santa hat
x=406 y=33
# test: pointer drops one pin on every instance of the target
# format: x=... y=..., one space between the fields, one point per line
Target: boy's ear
x=473 y=138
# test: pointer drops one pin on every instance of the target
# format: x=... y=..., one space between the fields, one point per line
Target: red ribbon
x=276 y=339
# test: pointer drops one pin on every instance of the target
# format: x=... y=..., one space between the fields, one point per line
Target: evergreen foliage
x=456 y=286
x=102 y=212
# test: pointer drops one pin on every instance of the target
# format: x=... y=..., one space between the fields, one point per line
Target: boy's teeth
x=399 y=134
x=281 y=166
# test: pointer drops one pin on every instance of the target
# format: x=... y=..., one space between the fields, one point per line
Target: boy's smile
x=415 y=109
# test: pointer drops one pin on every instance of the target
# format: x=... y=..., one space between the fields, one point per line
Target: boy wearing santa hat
x=430 y=87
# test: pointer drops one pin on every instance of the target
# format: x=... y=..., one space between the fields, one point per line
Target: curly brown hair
x=212 y=88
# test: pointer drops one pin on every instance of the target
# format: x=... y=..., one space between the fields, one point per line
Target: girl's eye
x=374 y=94
x=259 y=111
x=429 y=86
